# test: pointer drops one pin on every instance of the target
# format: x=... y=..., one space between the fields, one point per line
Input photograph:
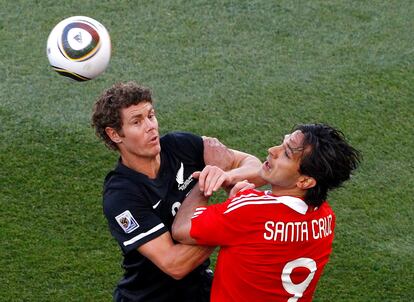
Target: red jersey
x=273 y=248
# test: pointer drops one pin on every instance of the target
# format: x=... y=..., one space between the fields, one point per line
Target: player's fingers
x=209 y=178
x=205 y=176
x=247 y=186
x=210 y=184
x=215 y=180
x=238 y=186
x=218 y=183
x=244 y=185
x=202 y=180
x=241 y=186
x=196 y=174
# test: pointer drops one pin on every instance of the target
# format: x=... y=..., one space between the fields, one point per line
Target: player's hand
x=241 y=186
x=211 y=179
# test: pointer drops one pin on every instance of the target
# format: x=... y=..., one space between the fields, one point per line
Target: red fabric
x=269 y=246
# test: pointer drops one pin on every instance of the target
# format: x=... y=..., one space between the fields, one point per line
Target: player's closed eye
x=287 y=154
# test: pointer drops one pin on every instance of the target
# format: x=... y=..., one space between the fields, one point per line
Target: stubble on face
x=281 y=169
x=140 y=129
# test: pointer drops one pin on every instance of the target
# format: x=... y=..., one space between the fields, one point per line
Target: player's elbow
x=182 y=235
x=180 y=232
x=178 y=274
x=177 y=232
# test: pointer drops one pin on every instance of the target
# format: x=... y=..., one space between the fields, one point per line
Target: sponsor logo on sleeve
x=127 y=222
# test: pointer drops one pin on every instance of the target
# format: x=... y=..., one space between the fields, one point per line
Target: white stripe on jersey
x=200 y=208
x=198 y=211
x=294 y=203
x=244 y=198
x=142 y=235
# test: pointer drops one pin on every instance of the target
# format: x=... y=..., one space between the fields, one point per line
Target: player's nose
x=274 y=151
x=150 y=124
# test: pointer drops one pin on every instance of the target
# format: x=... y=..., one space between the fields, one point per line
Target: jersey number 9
x=297 y=290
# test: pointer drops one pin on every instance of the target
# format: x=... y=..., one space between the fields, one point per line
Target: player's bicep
x=239 y=157
x=217 y=154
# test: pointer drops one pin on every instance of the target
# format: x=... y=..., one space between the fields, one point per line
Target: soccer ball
x=79 y=48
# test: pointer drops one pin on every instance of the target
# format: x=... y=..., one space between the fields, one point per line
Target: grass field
x=243 y=71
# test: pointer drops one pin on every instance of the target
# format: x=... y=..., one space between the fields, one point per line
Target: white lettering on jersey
x=298 y=231
x=286 y=232
x=297 y=289
x=322 y=227
x=186 y=183
x=174 y=208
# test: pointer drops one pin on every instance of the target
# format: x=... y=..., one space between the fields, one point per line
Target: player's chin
x=154 y=143
x=265 y=169
x=155 y=149
x=262 y=173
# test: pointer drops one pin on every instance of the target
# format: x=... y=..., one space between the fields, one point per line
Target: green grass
x=243 y=71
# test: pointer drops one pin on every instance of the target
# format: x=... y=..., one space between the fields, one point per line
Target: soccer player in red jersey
x=274 y=244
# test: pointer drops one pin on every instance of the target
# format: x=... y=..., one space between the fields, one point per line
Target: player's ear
x=113 y=135
x=306 y=182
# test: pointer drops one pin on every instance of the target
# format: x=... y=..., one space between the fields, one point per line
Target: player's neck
x=145 y=165
x=295 y=192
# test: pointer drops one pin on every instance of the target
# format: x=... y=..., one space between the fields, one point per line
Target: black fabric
x=139 y=209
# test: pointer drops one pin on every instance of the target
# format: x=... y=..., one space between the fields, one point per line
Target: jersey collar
x=294 y=203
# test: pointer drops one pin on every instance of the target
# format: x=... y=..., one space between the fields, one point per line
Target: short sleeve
x=225 y=224
x=211 y=226
x=186 y=146
x=132 y=222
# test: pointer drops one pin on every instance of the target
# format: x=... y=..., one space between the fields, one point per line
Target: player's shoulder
x=120 y=190
x=183 y=145
x=123 y=178
x=324 y=209
x=247 y=198
x=250 y=193
x=264 y=200
x=176 y=137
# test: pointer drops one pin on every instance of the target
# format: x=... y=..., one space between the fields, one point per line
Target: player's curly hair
x=107 y=108
x=330 y=161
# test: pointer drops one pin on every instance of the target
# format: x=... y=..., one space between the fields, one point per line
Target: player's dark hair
x=330 y=160
x=107 y=108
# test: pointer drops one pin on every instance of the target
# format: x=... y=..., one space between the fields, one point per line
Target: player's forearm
x=176 y=260
x=246 y=168
x=185 y=258
x=182 y=222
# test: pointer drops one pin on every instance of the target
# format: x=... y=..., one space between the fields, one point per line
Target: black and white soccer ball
x=79 y=47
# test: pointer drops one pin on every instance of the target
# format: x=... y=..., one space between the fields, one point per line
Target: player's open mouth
x=154 y=140
x=266 y=166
